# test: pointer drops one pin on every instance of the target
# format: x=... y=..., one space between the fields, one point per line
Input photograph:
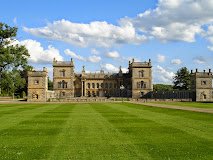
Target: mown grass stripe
x=35 y=137
x=162 y=141
x=90 y=136
x=195 y=127
x=12 y=119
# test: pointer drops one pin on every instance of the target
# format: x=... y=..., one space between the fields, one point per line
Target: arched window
x=64 y=84
x=88 y=85
x=110 y=85
x=88 y=94
x=102 y=85
x=97 y=93
x=106 y=85
x=142 y=84
x=93 y=85
x=97 y=85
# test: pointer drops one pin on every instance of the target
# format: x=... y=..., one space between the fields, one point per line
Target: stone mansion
x=135 y=84
x=67 y=84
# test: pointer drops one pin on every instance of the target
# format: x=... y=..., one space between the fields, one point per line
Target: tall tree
x=182 y=79
x=13 y=59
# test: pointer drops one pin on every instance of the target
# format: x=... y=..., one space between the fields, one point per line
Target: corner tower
x=201 y=85
x=141 y=73
x=37 y=86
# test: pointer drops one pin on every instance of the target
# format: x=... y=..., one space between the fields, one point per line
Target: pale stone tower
x=141 y=73
x=37 y=86
x=63 y=78
x=201 y=85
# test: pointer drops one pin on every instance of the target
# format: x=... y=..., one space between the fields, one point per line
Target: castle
x=68 y=84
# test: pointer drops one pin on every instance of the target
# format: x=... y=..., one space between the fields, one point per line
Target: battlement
x=201 y=74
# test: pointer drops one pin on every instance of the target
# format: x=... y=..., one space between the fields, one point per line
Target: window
x=141 y=73
x=115 y=85
x=62 y=73
x=102 y=85
x=35 y=96
x=97 y=85
x=106 y=85
x=64 y=84
x=203 y=82
x=110 y=85
x=59 y=84
x=142 y=84
x=88 y=94
x=98 y=93
x=88 y=85
x=204 y=96
x=138 y=85
x=93 y=85
x=36 y=81
x=63 y=93
x=93 y=93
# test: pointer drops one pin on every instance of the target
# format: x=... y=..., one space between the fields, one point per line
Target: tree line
x=14 y=67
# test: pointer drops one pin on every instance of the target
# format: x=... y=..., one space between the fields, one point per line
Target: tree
x=182 y=79
x=162 y=87
x=50 y=85
x=13 y=60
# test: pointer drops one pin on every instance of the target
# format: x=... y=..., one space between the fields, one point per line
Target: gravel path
x=204 y=110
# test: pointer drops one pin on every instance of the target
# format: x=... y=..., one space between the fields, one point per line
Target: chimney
x=210 y=70
x=191 y=71
x=196 y=70
x=44 y=69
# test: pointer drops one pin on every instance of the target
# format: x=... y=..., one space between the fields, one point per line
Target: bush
x=23 y=94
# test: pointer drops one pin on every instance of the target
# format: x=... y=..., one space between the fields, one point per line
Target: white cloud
x=110 y=67
x=200 y=60
x=15 y=21
x=176 y=62
x=38 y=54
x=210 y=48
x=100 y=34
x=124 y=70
x=174 y=20
x=94 y=51
x=161 y=58
x=73 y=55
x=113 y=54
x=162 y=76
x=94 y=59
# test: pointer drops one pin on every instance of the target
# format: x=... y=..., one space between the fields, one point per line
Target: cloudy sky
x=107 y=34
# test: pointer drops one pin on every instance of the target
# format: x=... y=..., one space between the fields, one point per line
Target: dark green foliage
x=182 y=79
x=103 y=131
x=13 y=61
x=162 y=87
x=50 y=85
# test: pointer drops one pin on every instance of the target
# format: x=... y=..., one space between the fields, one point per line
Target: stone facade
x=37 y=86
x=201 y=85
x=135 y=83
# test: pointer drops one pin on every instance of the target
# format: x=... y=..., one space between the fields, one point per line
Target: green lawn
x=189 y=104
x=103 y=131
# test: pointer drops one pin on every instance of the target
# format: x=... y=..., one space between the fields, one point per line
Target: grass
x=189 y=104
x=103 y=131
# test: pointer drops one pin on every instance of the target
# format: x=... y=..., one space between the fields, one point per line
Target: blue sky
x=107 y=34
